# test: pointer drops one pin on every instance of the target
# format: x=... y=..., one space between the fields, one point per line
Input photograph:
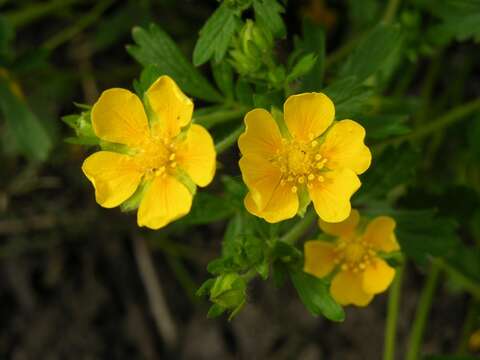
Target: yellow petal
x=319 y=258
x=165 y=200
x=347 y=289
x=196 y=155
x=118 y=116
x=282 y=205
x=114 y=176
x=380 y=233
x=344 y=228
x=331 y=197
x=262 y=136
x=260 y=176
x=377 y=277
x=344 y=147
x=170 y=106
x=308 y=115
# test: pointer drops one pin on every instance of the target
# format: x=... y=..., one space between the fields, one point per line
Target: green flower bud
x=228 y=291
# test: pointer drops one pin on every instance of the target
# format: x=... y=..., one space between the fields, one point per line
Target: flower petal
x=196 y=155
x=319 y=258
x=165 y=200
x=308 y=115
x=171 y=107
x=377 y=277
x=282 y=205
x=347 y=289
x=380 y=233
x=344 y=147
x=114 y=176
x=331 y=198
x=344 y=228
x=118 y=116
x=262 y=136
x=260 y=176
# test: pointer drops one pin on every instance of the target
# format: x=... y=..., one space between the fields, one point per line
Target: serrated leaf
x=372 y=52
x=302 y=67
x=268 y=15
x=216 y=35
x=155 y=47
x=315 y=295
x=223 y=75
x=30 y=135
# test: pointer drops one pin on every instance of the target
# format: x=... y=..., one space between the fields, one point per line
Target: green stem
x=229 y=140
x=423 y=308
x=448 y=119
x=299 y=228
x=469 y=285
x=36 y=11
x=390 y=11
x=392 y=314
x=219 y=117
x=85 y=21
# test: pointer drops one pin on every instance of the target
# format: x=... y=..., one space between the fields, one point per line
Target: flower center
x=157 y=157
x=300 y=163
x=354 y=254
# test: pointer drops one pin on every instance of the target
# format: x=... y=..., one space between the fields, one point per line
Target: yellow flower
x=314 y=158
x=362 y=273
x=165 y=154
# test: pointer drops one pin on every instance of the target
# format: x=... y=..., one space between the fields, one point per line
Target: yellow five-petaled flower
x=355 y=254
x=162 y=156
x=313 y=157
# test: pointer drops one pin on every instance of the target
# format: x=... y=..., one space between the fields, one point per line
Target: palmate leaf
x=155 y=48
x=216 y=34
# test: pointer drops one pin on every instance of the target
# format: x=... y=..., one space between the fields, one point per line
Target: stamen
x=294 y=189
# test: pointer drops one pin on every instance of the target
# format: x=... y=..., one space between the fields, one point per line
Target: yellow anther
x=318 y=157
x=301 y=179
x=283 y=168
x=311 y=177
x=173 y=164
x=362 y=266
x=309 y=185
x=294 y=189
x=290 y=178
x=171 y=157
x=320 y=165
x=282 y=182
x=321 y=178
x=314 y=143
x=344 y=267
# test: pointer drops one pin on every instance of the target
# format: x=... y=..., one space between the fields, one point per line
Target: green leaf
x=30 y=135
x=314 y=41
x=223 y=75
x=6 y=36
x=302 y=67
x=208 y=208
x=155 y=47
x=315 y=295
x=216 y=35
x=350 y=97
x=422 y=234
x=372 y=52
x=268 y=15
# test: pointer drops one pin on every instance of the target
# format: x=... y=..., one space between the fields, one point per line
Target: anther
x=173 y=164
x=321 y=178
x=294 y=189
x=318 y=157
x=311 y=177
x=172 y=157
x=314 y=143
x=301 y=180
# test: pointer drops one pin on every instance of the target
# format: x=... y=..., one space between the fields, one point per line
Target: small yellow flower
x=165 y=153
x=362 y=273
x=314 y=156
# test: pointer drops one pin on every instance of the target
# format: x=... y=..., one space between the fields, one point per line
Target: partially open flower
x=355 y=254
x=159 y=158
x=313 y=158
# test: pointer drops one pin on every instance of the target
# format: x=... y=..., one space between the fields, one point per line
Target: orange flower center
x=300 y=163
x=354 y=254
x=157 y=157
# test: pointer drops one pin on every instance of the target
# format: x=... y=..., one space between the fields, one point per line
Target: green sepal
x=133 y=202
x=183 y=177
x=303 y=200
x=115 y=147
x=277 y=115
x=229 y=291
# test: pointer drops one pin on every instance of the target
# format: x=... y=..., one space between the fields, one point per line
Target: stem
x=219 y=117
x=392 y=314
x=165 y=325
x=448 y=119
x=85 y=21
x=299 y=228
x=229 y=140
x=36 y=11
x=390 y=11
x=425 y=302
x=469 y=285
